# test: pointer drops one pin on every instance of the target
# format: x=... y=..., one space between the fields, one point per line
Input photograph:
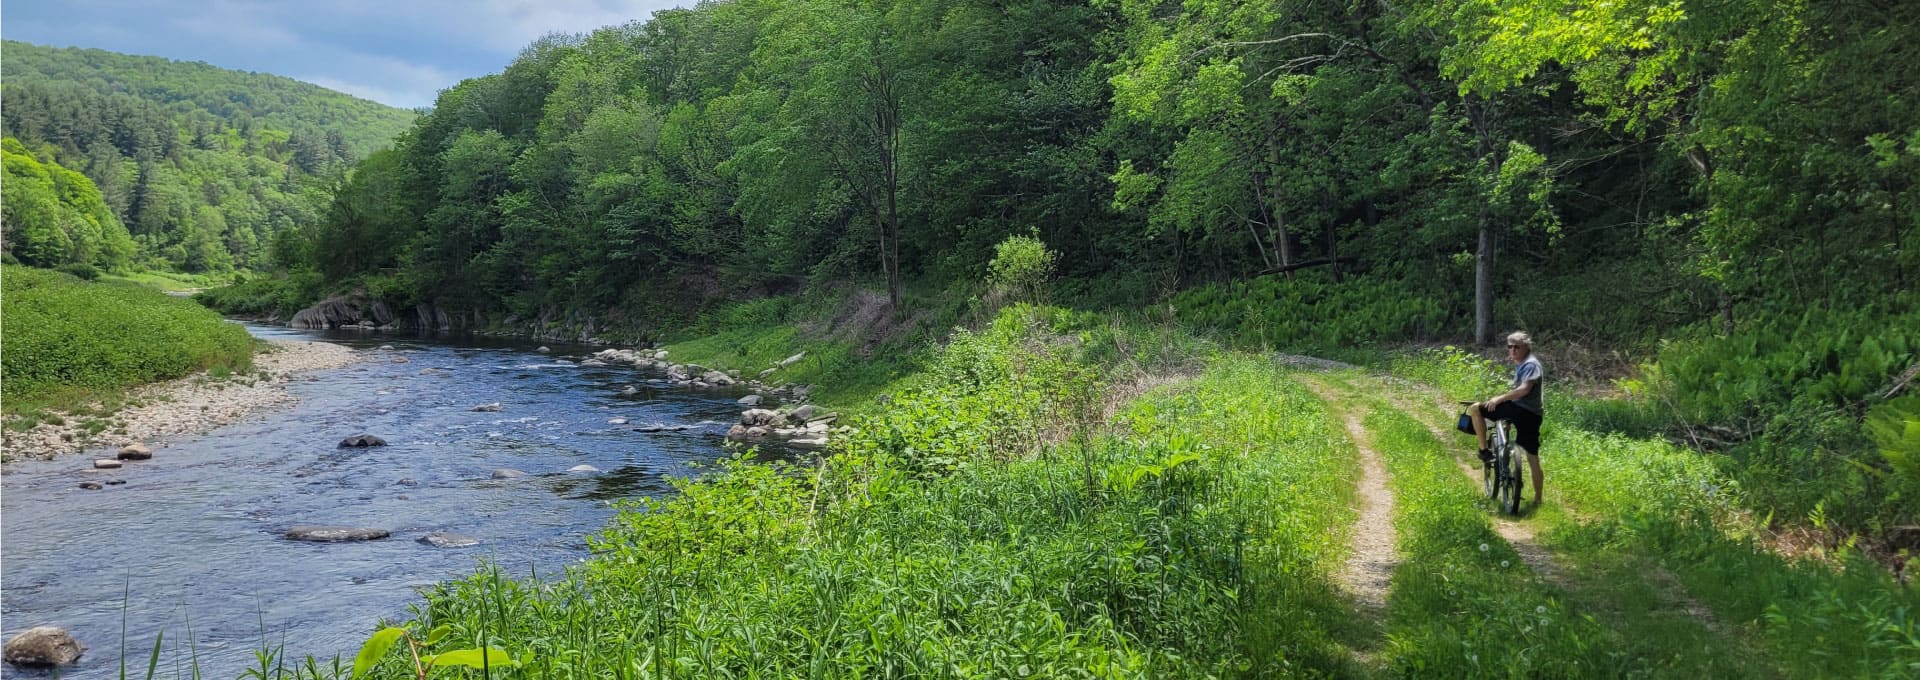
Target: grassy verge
x=984 y=525
x=1632 y=503
x=70 y=343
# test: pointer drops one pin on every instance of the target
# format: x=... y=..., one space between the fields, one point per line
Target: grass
x=1630 y=504
x=166 y=281
x=75 y=346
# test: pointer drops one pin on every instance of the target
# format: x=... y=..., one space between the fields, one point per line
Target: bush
x=276 y=296
x=1020 y=267
x=66 y=335
x=1311 y=313
x=79 y=270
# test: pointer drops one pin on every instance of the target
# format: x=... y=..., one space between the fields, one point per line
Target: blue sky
x=398 y=52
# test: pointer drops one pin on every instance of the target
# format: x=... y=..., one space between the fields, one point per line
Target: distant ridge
x=185 y=87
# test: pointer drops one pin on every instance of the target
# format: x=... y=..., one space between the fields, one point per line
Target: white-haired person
x=1521 y=405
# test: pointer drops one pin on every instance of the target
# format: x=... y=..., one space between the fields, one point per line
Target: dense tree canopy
x=203 y=165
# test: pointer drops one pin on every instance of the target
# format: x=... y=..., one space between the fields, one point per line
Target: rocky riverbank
x=189 y=405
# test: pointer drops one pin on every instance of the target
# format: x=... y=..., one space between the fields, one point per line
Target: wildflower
x=1544 y=621
x=1483 y=547
x=1503 y=564
x=1542 y=609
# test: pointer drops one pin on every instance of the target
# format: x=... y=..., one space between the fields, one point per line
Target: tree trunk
x=1483 y=285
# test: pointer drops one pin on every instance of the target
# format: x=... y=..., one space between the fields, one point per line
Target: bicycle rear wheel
x=1509 y=480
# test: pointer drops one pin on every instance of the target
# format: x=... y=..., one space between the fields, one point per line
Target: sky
x=396 y=52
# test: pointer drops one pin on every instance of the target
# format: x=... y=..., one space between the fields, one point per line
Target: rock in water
x=804 y=413
x=507 y=473
x=750 y=400
x=448 y=539
x=43 y=646
x=325 y=534
x=135 y=451
x=106 y=464
x=543 y=349
x=616 y=421
x=362 y=440
x=487 y=408
x=91 y=486
x=583 y=468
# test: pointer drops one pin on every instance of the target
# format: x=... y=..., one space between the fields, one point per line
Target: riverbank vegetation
x=71 y=343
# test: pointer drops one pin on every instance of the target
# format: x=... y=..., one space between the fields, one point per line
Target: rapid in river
x=193 y=543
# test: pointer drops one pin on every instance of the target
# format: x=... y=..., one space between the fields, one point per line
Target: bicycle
x=1503 y=475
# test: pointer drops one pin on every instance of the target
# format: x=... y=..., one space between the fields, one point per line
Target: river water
x=192 y=544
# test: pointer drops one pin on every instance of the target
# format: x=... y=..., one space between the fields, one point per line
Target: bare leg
x=1479 y=424
x=1534 y=461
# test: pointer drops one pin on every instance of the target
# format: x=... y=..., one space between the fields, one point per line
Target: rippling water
x=192 y=543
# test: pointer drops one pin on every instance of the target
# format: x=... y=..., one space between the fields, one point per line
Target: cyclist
x=1521 y=405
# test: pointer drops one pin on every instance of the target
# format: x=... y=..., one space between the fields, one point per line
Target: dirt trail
x=1520 y=535
x=1369 y=568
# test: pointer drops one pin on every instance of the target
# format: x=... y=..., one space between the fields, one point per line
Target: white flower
x=1503 y=564
x=1483 y=547
x=1544 y=621
x=1542 y=609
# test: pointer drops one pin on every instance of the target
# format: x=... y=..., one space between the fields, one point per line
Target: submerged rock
x=507 y=473
x=448 y=539
x=326 y=534
x=361 y=441
x=91 y=486
x=487 y=408
x=583 y=468
x=43 y=646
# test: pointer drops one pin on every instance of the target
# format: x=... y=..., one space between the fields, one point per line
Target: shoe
x=1486 y=457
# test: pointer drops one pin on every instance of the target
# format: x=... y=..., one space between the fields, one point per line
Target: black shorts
x=1526 y=424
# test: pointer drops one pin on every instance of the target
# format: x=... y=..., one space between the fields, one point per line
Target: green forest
x=201 y=166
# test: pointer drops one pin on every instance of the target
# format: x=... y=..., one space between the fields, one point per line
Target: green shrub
x=80 y=270
x=64 y=335
x=1311 y=313
x=268 y=296
x=1020 y=267
x=1834 y=358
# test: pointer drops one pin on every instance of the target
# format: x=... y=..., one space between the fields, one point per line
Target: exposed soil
x=1372 y=555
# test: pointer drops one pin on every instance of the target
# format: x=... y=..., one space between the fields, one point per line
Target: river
x=192 y=544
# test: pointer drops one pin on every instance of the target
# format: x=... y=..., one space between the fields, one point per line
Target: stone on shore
x=135 y=451
x=789 y=361
x=751 y=400
x=361 y=441
x=448 y=539
x=759 y=416
x=326 y=534
x=43 y=646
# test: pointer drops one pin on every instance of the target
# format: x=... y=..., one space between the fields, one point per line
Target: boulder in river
x=592 y=363
x=92 y=486
x=583 y=468
x=750 y=400
x=507 y=473
x=106 y=464
x=448 y=539
x=400 y=360
x=487 y=408
x=326 y=534
x=629 y=391
x=43 y=646
x=616 y=421
x=362 y=440
x=135 y=451
x=543 y=349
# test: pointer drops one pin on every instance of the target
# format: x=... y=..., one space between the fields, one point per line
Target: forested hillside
x=202 y=165
x=1726 y=190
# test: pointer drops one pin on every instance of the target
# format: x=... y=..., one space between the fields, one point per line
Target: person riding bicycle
x=1521 y=405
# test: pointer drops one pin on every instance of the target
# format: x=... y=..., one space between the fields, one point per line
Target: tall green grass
x=1646 y=500
x=973 y=529
x=67 y=340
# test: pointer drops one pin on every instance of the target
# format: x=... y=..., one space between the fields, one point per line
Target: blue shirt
x=1530 y=373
